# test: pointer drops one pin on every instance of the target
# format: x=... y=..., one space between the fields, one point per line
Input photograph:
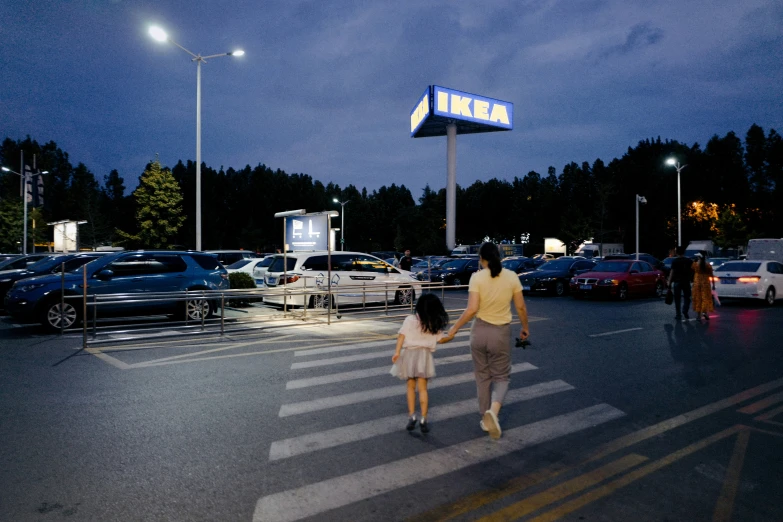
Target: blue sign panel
x=460 y=105
x=307 y=232
x=421 y=111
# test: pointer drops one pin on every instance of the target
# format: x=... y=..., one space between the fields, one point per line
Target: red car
x=621 y=279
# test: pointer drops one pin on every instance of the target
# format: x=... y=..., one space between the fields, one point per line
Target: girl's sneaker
x=424 y=426
x=492 y=424
x=483 y=427
x=411 y=423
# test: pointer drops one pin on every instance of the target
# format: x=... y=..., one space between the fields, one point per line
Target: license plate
x=728 y=281
x=526 y=288
x=585 y=287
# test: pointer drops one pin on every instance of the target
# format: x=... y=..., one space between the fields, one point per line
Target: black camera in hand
x=522 y=343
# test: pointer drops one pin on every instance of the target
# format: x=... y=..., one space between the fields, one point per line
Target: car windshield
x=265 y=262
x=562 y=264
x=238 y=264
x=738 y=267
x=511 y=264
x=45 y=264
x=277 y=264
x=611 y=267
x=454 y=264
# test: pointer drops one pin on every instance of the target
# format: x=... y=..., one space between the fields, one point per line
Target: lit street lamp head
x=671 y=161
x=158 y=34
x=238 y=52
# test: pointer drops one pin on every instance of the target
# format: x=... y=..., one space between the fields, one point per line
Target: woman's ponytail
x=489 y=252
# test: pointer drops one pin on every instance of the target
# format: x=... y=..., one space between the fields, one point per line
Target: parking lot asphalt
x=616 y=412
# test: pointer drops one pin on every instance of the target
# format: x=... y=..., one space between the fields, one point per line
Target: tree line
x=731 y=191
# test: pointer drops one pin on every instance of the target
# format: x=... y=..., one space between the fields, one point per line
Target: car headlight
x=608 y=282
x=5 y=280
x=573 y=281
x=27 y=288
x=547 y=279
x=413 y=276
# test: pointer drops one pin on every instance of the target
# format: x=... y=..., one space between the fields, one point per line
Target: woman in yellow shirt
x=490 y=294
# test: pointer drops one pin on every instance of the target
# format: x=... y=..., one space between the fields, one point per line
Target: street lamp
x=25 y=177
x=342 y=221
x=642 y=200
x=160 y=35
x=676 y=164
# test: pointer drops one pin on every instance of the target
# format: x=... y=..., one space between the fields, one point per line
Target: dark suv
x=47 y=265
x=135 y=272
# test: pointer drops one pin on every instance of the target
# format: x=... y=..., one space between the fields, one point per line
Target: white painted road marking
x=364 y=373
x=616 y=332
x=341 y=491
x=380 y=393
x=366 y=356
x=286 y=448
x=346 y=347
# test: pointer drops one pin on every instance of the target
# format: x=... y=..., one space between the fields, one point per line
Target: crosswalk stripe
x=363 y=373
x=366 y=356
x=286 y=448
x=341 y=491
x=324 y=403
x=358 y=346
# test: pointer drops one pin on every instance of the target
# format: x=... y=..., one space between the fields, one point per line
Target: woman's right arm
x=400 y=340
x=519 y=304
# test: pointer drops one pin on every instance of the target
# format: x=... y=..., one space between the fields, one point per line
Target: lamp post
x=25 y=177
x=676 y=164
x=160 y=35
x=642 y=200
x=342 y=221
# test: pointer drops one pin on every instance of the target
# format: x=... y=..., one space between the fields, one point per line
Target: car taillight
x=749 y=279
x=714 y=279
x=288 y=279
x=224 y=276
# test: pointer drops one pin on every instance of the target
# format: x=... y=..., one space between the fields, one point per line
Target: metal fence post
x=62 y=297
x=386 y=298
x=204 y=305
x=186 y=306
x=222 y=312
x=94 y=316
x=84 y=307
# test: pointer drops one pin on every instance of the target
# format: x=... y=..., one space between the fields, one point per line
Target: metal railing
x=198 y=309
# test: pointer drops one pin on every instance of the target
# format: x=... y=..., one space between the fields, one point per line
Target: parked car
x=455 y=271
x=518 y=264
x=619 y=278
x=430 y=263
x=666 y=265
x=392 y=261
x=48 y=265
x=750 y=279
x=23 y=261
x=553 y=276
x=227 y=257
x=255 y=267
x=356 y=278
x=133 y=272
x=6 y=257
x=715 y=262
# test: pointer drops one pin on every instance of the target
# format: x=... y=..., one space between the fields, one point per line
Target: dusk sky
x=326 y=88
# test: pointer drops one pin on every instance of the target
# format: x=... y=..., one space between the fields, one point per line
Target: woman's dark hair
x=489 y=252
x=432 y=315
x=703 y=261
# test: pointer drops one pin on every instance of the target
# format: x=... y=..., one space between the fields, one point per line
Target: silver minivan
x=356 y=278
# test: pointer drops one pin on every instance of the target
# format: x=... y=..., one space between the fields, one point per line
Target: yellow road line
x=566 y=489
x=476 y=500
x=608 y=489
x=770 y=414
x=202 y=352
x=109 y=359
x=728 y=493
x=762 y=404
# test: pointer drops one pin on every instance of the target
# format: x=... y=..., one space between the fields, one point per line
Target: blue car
x=135 y=272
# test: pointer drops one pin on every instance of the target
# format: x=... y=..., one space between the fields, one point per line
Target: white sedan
x=750 y=279
x=255 y=266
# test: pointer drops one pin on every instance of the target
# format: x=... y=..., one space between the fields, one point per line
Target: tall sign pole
x=446 y=112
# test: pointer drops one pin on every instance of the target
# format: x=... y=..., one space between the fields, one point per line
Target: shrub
x=239 y=280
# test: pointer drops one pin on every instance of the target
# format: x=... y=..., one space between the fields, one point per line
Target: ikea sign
x=439 y=106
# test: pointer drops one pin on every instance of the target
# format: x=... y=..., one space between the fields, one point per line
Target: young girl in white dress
x=412 y=359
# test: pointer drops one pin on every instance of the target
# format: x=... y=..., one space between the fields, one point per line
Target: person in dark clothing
x=680 y=278
x=407 y=261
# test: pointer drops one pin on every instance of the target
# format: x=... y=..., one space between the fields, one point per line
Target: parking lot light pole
x=160 y=35
x=642 y=200
x=342 y=221
x=25 y=178
x=676 y=164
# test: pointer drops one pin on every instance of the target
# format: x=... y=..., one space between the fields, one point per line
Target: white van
x=765 y=249
x=356 y=278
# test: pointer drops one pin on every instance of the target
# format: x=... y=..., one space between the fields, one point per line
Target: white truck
x=699 y=245
x=590 y=250
x=766 y=249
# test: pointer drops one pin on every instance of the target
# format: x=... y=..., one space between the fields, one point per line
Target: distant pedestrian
x=679 y=280
x=407 y=261
x=702 y=287
x=490 y=294
x=413 y=361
